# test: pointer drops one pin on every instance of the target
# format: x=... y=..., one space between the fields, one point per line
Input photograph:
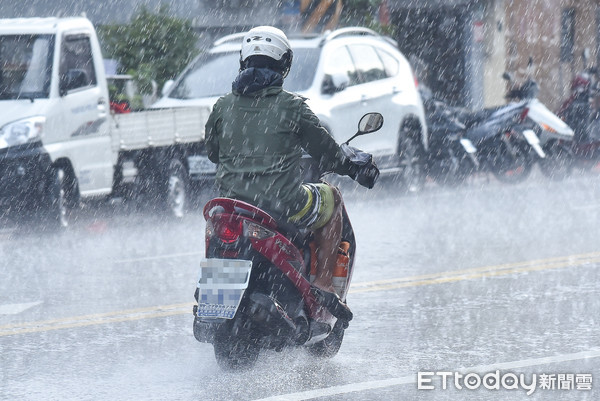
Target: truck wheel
x=60 y=199
x=176 y=194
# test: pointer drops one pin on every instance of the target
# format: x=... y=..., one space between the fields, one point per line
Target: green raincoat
x=257 y=139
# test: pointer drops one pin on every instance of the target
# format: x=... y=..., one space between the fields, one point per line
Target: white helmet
x=267 y=41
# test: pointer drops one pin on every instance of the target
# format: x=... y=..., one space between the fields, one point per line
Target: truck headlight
x=22 y=131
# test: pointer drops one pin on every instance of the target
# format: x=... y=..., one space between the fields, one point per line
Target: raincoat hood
x=252 y=80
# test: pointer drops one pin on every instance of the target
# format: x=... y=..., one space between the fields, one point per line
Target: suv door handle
x=364 y=99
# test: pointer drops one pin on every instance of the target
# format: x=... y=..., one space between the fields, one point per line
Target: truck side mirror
x=73 y=79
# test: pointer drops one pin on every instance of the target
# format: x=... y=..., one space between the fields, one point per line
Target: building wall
x=535 y=29
x=513 y=32
x=494 y=27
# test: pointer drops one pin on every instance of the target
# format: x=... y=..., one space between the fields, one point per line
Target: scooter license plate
x=221 y=286
x=468 y=145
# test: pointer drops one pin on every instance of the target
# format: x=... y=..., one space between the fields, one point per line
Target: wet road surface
x=479 y=279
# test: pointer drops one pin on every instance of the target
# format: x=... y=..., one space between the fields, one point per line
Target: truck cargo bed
x=158 y=127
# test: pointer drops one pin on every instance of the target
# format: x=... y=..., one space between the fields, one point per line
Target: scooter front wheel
x=510 y=166
x=330 y=346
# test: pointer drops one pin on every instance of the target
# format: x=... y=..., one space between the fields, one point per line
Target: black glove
x=361 y=167
x=365 y=175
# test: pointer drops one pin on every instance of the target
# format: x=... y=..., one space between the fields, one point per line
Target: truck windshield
x=25 y=66
x=212 y=74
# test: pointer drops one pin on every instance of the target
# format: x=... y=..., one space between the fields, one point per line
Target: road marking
x=586 y=207
x=14 y=309
x=158 y=257
x=95 y=319
x=381 y=285
x=477 y=272
x=412 y=379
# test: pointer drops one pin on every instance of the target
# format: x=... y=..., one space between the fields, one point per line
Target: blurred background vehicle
x=343 y=74
x=123 y=94
x=581 y=110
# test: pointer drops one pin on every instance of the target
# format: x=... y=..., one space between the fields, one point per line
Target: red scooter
x=254 y=290
x=581 y=111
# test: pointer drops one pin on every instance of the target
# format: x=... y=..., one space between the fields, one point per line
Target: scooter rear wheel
x=558 y=163
x=234 y=352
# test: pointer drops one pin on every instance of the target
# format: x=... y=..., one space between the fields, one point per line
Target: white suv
x=343 y=74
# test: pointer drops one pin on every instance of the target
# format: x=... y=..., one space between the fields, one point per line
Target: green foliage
x=364 y=13
x=151 y=47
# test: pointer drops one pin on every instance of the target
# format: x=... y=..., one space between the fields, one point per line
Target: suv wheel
x=411 y=159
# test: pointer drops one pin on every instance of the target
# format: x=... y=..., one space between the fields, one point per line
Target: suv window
x=390 y=63
x=368 y=64
x=340 y=62
x=302 y=73
x=212 y=74
x=76 y=63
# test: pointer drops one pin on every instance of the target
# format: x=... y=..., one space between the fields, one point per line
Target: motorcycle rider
x=256 y=135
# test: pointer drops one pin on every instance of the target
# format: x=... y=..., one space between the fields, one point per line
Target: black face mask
x=254 y=79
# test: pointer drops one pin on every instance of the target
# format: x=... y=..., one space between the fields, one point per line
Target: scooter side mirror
x=507 y=76
x=370 y=122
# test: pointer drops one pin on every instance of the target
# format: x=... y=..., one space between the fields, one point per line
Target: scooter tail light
x=208 y=234
x=253 y=230
x=209 y=230
x=228 y=231
x=524 y=114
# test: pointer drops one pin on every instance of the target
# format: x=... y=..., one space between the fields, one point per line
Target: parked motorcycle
x=254 y=290
x=451 y=157
x=581 y=110
x=544 y=129
x=511 y=138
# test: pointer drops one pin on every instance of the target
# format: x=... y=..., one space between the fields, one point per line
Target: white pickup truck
x=59 y=141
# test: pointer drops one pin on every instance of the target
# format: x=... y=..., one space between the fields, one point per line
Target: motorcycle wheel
x=508 y=168
x=234 y=353
x=330 y=346
x=558 y=163
x=450 y=172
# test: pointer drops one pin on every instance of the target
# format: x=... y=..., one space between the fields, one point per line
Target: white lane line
x=15 y=309
x=412 y=379
x=586 y=207
x=158 y=257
